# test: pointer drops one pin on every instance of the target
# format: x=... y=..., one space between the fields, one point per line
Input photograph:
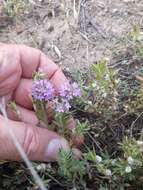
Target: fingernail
x=54 y=147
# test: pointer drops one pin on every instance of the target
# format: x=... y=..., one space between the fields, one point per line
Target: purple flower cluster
x=62 y=106
x=76 y=92
x=67 y=92
x=42 y=90
x=70 y=91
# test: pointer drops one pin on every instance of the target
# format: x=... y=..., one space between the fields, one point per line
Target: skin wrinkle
x=27 y=140
x=23 y=64
x=9 y=84
x=31 y=141
x=5 y=150
x=54 y=73
x=23 y=89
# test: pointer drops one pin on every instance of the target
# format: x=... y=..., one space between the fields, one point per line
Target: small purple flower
x=69 y=91
x=42 y=90
x=65 y=91
x=75 y=90
x=62 y=106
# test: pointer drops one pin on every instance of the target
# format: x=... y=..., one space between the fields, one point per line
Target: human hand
x=17 y=64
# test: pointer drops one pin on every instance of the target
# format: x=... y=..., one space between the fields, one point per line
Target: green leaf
x=99 y=69
x=81 y=128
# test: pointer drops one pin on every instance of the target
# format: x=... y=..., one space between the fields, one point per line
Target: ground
x=73 y=35
x=76 y=34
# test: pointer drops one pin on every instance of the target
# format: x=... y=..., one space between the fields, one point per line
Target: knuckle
x=31 y=141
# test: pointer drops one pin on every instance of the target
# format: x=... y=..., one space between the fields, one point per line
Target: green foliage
x=135 y=38
x=60 y=124
x=100 y=93
x=136 y=104
x=12 y=105
x=135 y=33
x=121 y=170
x=14 y=8
x=90 y=155
x=81 y=128
x=41 y=111
x=38 y=75
x=70 y=167
x=103 y=75
x=131 y=148
x=100 y=70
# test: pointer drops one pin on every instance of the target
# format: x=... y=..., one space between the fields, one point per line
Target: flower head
x=69 y=91
x=128 y=169
x=98 y=158
x=76 y=92
x=62 y=106
x=42 y=90
x=113 y=162
x=65 y=91
x=130 y=160
x=108 y=172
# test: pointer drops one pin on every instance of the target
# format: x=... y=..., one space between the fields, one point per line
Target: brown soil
x=74 y=38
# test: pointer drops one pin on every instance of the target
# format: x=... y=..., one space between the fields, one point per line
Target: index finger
x=19 y=58
x=32 y=60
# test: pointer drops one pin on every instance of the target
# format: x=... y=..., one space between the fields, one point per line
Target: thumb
x=38 y=143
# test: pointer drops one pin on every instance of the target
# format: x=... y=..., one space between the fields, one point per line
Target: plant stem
x=43 y=109
x=40 y=110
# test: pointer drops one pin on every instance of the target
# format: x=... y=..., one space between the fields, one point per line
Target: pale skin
x=17 y=64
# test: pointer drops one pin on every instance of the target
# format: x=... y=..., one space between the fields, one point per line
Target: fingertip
x=77 y=153
x=53 y=148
